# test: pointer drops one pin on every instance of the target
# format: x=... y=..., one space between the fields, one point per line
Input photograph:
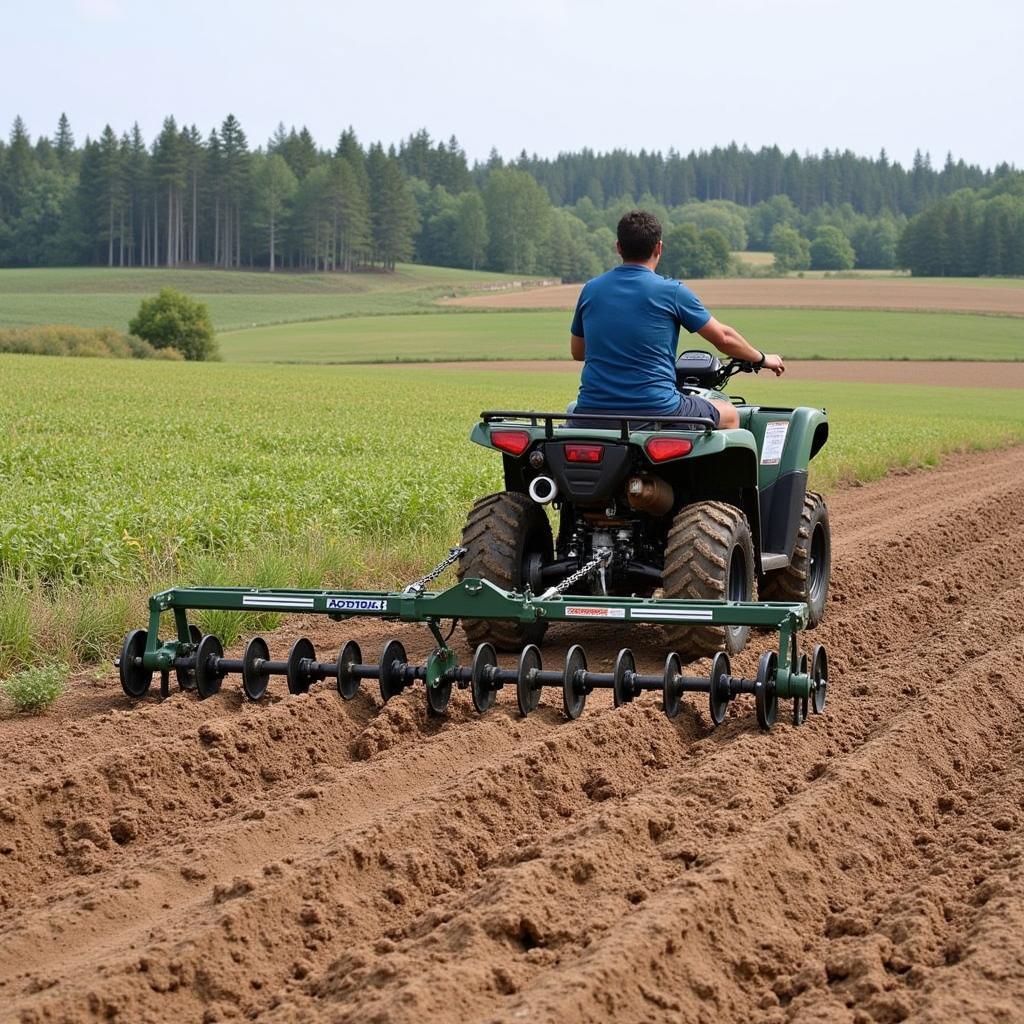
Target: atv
x=667 y=506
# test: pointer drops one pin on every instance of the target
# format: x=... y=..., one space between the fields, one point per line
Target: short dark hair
x=639 y=232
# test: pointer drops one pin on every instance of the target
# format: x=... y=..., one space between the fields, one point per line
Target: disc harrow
x=198 y=661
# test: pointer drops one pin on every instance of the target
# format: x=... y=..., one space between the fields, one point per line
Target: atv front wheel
x=507 y=538
x=806 y=577
x=709 y=557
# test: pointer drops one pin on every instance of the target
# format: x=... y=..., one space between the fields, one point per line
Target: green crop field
x=103 y=297
x=796 y=333
x=118 y=481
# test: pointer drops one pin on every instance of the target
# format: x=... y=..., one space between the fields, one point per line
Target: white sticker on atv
x=590 y=612
x=362 y=604
x=774 y=441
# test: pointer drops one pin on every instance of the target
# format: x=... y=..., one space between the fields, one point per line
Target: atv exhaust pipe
x=543 y=490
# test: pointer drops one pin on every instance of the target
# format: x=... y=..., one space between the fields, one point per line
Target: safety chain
x=420 y=585
x=601 y=559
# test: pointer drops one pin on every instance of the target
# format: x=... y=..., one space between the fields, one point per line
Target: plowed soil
x=998 y=297
x=309 y=860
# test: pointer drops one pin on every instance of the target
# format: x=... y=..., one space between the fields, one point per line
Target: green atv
x=670 y=505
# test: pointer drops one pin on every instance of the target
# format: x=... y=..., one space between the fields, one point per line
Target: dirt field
x=306 y=860
x=812 y=293
x=868 y=371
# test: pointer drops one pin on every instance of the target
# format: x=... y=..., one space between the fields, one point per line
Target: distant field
x=797 y=334
x=102 y=297
x=998 y=296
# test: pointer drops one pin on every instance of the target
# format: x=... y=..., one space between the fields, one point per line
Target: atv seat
x=637 y=420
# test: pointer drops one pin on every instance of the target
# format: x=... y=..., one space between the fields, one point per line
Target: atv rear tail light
x=661 y=449
x=584 y=452
x=515 y=442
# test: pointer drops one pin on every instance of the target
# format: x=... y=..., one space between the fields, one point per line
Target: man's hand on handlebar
x=775 y=364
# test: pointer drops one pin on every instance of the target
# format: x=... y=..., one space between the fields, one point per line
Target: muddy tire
x=806 y=577
x=504 y=533
x=709 y=556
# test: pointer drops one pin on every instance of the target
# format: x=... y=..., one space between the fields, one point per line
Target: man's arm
x=578 y=348
x=728 y=340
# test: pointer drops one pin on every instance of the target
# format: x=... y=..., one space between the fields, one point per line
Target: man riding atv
x=626 y=330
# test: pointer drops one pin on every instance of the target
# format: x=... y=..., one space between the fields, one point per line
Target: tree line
x=189 y=199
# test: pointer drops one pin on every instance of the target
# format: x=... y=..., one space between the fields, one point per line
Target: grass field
x=797 y=334
x=101 y=297
x=114 y=486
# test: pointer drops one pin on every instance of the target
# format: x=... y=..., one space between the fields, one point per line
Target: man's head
x=639 y=237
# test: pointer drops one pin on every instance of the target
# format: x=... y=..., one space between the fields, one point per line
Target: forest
x=191 y=199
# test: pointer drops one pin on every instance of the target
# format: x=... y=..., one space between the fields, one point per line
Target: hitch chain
x=418 y=586
x=599 y=561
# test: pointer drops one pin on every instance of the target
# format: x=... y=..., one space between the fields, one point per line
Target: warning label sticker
x=589 y=612
x=349 y=604
x=774 y=441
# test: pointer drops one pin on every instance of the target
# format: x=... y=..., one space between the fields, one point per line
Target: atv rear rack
x=704 y=423
x=199 y=661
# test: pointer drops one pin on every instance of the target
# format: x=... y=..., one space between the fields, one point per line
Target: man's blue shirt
x=629 y=319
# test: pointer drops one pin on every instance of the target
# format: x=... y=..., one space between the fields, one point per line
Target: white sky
x=544 y=75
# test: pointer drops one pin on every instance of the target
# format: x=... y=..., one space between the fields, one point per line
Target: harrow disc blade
x=622 y=692
x=480 y=686
x=255 y=678
x=208 y=679
x=527 y=692
x=187 y=676
x=801 y=704
x=438 y=681
x=671 y=691
x=135 y=680
x=391 y=684
x=819 y=673
x=574 y=696
x=298 y=680
x=718 y=693
x=765 y=697
x=348 y=684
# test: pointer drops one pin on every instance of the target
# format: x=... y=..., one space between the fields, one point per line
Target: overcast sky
x=540 y=75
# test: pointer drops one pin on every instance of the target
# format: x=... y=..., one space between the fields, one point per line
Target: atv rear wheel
x=507 y=538
x=710 y=557
x=806 y=577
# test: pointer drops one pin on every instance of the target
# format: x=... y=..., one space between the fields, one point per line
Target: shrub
x=67 y=340
x=34 y=689
x=173 y=320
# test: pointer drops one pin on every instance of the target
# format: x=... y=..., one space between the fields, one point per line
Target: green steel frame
x=479 y=599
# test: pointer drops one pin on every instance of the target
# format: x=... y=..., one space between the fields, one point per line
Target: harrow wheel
x=187 y=676
x=348 y=684
x=527 y=692
x=438 y=681
x=208 y=678
x=391 y=683
x=135 y=680
x=298 y=679
x=574 y=696
x=622 y=692
x=819 y=673
x=484 y=658
x=671 y=691
x=765 y=697
x=800 y=704
x=255 y=678
x=718 y=694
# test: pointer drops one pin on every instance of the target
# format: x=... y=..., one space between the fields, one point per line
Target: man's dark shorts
x=689 y=405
